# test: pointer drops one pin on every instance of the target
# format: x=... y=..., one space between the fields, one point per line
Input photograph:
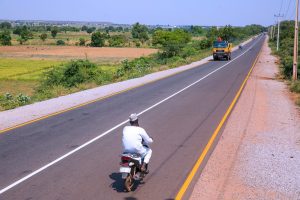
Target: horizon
x=190 y=12
x=113 y=23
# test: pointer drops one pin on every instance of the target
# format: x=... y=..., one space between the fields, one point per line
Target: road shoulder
x=257 y=156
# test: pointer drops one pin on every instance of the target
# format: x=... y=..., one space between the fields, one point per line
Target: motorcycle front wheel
x=128 y=183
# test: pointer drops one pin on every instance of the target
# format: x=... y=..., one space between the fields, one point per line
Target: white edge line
x=115 y=127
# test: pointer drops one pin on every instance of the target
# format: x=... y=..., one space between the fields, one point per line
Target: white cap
x=133 y=117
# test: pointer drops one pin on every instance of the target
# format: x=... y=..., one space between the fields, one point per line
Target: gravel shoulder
x=258 y=154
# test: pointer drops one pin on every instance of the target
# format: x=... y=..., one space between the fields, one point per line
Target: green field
x=23 y=75
x=24 y=69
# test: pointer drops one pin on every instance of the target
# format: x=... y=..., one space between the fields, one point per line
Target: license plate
x=125 y=169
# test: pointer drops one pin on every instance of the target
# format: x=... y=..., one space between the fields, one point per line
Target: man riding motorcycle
x=136 y=140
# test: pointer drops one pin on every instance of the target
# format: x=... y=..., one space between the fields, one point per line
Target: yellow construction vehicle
x=222 y=49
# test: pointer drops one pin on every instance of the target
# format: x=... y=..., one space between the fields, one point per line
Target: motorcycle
x=131 y=169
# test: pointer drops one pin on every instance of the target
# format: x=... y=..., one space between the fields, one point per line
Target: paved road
x=180 y=126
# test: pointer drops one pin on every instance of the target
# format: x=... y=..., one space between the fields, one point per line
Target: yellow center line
x=195 y=168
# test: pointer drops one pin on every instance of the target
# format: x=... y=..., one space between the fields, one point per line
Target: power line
x=293 y=13
x=280 y=6
x=287 y=10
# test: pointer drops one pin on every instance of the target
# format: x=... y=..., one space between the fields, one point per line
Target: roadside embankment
x=258 y=154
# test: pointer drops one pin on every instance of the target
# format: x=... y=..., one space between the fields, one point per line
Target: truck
x=222 y=49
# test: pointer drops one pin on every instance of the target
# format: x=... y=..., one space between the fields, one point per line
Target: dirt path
x=258 y=155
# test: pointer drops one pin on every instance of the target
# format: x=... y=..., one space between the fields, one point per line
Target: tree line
x=171 y=41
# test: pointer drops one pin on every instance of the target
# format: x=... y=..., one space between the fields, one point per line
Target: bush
x=295 y=86
x=188 y=51
x=8 y=101
x=98 y=39
x=60 y=43
x=134 y=68
x=202 y=44
x=176 y=61
x=82 y=42
x=117 y=41
x=72 y=74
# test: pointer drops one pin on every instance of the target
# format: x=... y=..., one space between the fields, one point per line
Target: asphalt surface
x=180 y=127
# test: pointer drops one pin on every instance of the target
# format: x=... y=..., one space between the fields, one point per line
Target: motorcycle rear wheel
x=128 y=183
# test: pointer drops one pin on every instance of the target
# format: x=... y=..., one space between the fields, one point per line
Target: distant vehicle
x=222 y=49
x=131 y=169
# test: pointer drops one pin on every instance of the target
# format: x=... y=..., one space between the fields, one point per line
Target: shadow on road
x=118 y=184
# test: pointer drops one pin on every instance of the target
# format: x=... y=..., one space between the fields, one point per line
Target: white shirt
x=133 y=137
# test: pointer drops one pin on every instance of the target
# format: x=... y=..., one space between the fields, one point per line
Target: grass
x=294 y=87
x=24 y=69
x=23 y=75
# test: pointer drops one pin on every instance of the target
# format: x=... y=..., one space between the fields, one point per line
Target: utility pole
x=295 y=61
x=274 y=29
x=271 y=32
x=278 y=24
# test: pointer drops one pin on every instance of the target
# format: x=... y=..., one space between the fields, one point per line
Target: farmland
x=100 y=55
x=22 y=66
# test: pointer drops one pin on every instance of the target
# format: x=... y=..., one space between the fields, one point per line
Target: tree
x=54 y=32
x=98 y=39
x=196 y=30
x=90 y=30
x=171 y=42
x=140 y=32
x=227 y=33
x=5 y=25
x=17 y=30
x=43 y=36
x=48 y=28
x=5 y=38
x=24 y=33
x=212 y=34
x=84 y=28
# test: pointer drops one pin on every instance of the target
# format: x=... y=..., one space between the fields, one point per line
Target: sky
x=151 y=12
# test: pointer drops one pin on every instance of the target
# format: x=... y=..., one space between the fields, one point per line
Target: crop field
x=24 y=69
x=21 y=75
x=23 y=66
x=100 y=55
